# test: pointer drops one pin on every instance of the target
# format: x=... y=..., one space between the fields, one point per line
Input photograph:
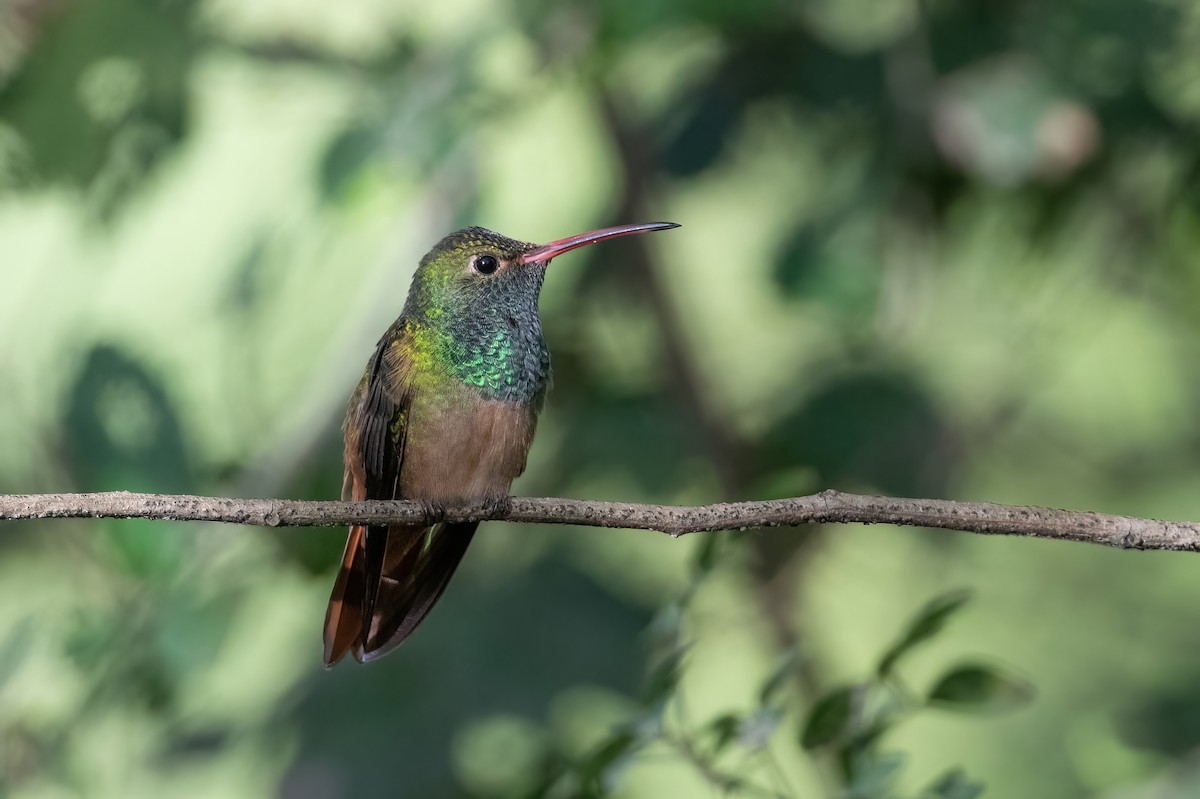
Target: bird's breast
x=464 y=447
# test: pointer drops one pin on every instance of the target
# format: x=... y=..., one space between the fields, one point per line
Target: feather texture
x=412 y=433
x=445 y=415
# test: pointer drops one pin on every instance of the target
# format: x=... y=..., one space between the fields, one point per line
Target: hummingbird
x=444 y=415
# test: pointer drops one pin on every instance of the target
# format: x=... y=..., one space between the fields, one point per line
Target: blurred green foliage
x=930 y=247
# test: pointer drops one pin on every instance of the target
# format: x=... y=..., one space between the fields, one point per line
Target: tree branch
x=1123 y=532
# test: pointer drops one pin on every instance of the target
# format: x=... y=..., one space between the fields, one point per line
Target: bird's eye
x=486 y=264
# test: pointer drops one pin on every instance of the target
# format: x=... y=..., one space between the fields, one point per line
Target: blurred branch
x=987 y=518
x=290 y=52
x=727 y=453
x=731 y=455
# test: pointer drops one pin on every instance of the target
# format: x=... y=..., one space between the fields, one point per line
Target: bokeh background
x=939 y=248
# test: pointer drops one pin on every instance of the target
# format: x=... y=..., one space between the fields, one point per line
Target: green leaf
x=724 y=729
x=928 y=622
x=954 y=785
x=788 y=666
x=975 y=687
x=757 y=729
x=870 y=776
x=606 y=762
x=345 y=157
x=663 y=631
x=706 y=554
x=864 y=739
x=665 y=676
x=829 y=718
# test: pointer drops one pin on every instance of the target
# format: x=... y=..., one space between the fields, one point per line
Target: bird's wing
x=390 y=577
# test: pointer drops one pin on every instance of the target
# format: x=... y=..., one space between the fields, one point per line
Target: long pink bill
x=544 y=253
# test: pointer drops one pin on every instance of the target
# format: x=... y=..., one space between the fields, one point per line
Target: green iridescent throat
x=488 y=365
x=502 y=364
x=491 y=340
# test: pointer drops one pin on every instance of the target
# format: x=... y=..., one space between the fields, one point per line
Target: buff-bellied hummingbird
x=444 y=415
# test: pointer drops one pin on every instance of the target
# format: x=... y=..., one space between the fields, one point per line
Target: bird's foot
x=495 y=506
x=479 y=510
x=434 y=511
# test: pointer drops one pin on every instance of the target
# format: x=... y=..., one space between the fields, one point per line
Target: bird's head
x=474 y=270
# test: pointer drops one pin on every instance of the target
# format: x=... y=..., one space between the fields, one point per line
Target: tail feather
x=389 y=580
x=343 y=617
x=412 y=584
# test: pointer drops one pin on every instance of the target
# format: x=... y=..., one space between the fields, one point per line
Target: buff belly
x=462 y=447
